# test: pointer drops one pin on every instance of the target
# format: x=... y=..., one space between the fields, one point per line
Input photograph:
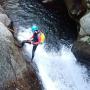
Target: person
x=35 y=39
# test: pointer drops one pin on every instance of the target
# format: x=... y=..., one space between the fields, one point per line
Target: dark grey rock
x=81 y=51
x=11 y=61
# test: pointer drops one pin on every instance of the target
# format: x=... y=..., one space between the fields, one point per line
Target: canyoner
x=37 y=38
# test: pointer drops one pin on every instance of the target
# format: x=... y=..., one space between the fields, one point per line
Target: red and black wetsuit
x=35 y=43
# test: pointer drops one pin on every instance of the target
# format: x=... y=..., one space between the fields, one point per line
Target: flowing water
x=57 y=71
x=57 y=66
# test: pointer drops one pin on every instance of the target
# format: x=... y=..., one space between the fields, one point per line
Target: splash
x=58 y=71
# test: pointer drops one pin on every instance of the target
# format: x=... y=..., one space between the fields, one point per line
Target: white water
x=58 y=71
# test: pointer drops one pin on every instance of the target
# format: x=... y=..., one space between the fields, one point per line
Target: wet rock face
x=4 y=19
x=11 y=62
x=27 y=82
x=4 y=55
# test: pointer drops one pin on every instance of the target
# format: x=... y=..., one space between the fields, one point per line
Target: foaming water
x=58 y=71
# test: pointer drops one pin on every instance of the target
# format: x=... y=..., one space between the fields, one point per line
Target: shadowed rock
x=81 y=51
x=76 y=8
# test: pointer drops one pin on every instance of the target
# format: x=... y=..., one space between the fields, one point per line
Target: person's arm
x=35 y=43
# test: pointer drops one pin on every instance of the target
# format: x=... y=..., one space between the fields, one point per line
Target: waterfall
x=57 y=71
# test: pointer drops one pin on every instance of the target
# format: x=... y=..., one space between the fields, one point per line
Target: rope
x=11 y=30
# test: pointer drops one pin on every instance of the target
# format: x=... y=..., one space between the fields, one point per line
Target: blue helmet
x=34 y=28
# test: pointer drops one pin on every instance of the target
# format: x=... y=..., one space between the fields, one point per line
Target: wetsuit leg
x=25 y=41
x=33 y=51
